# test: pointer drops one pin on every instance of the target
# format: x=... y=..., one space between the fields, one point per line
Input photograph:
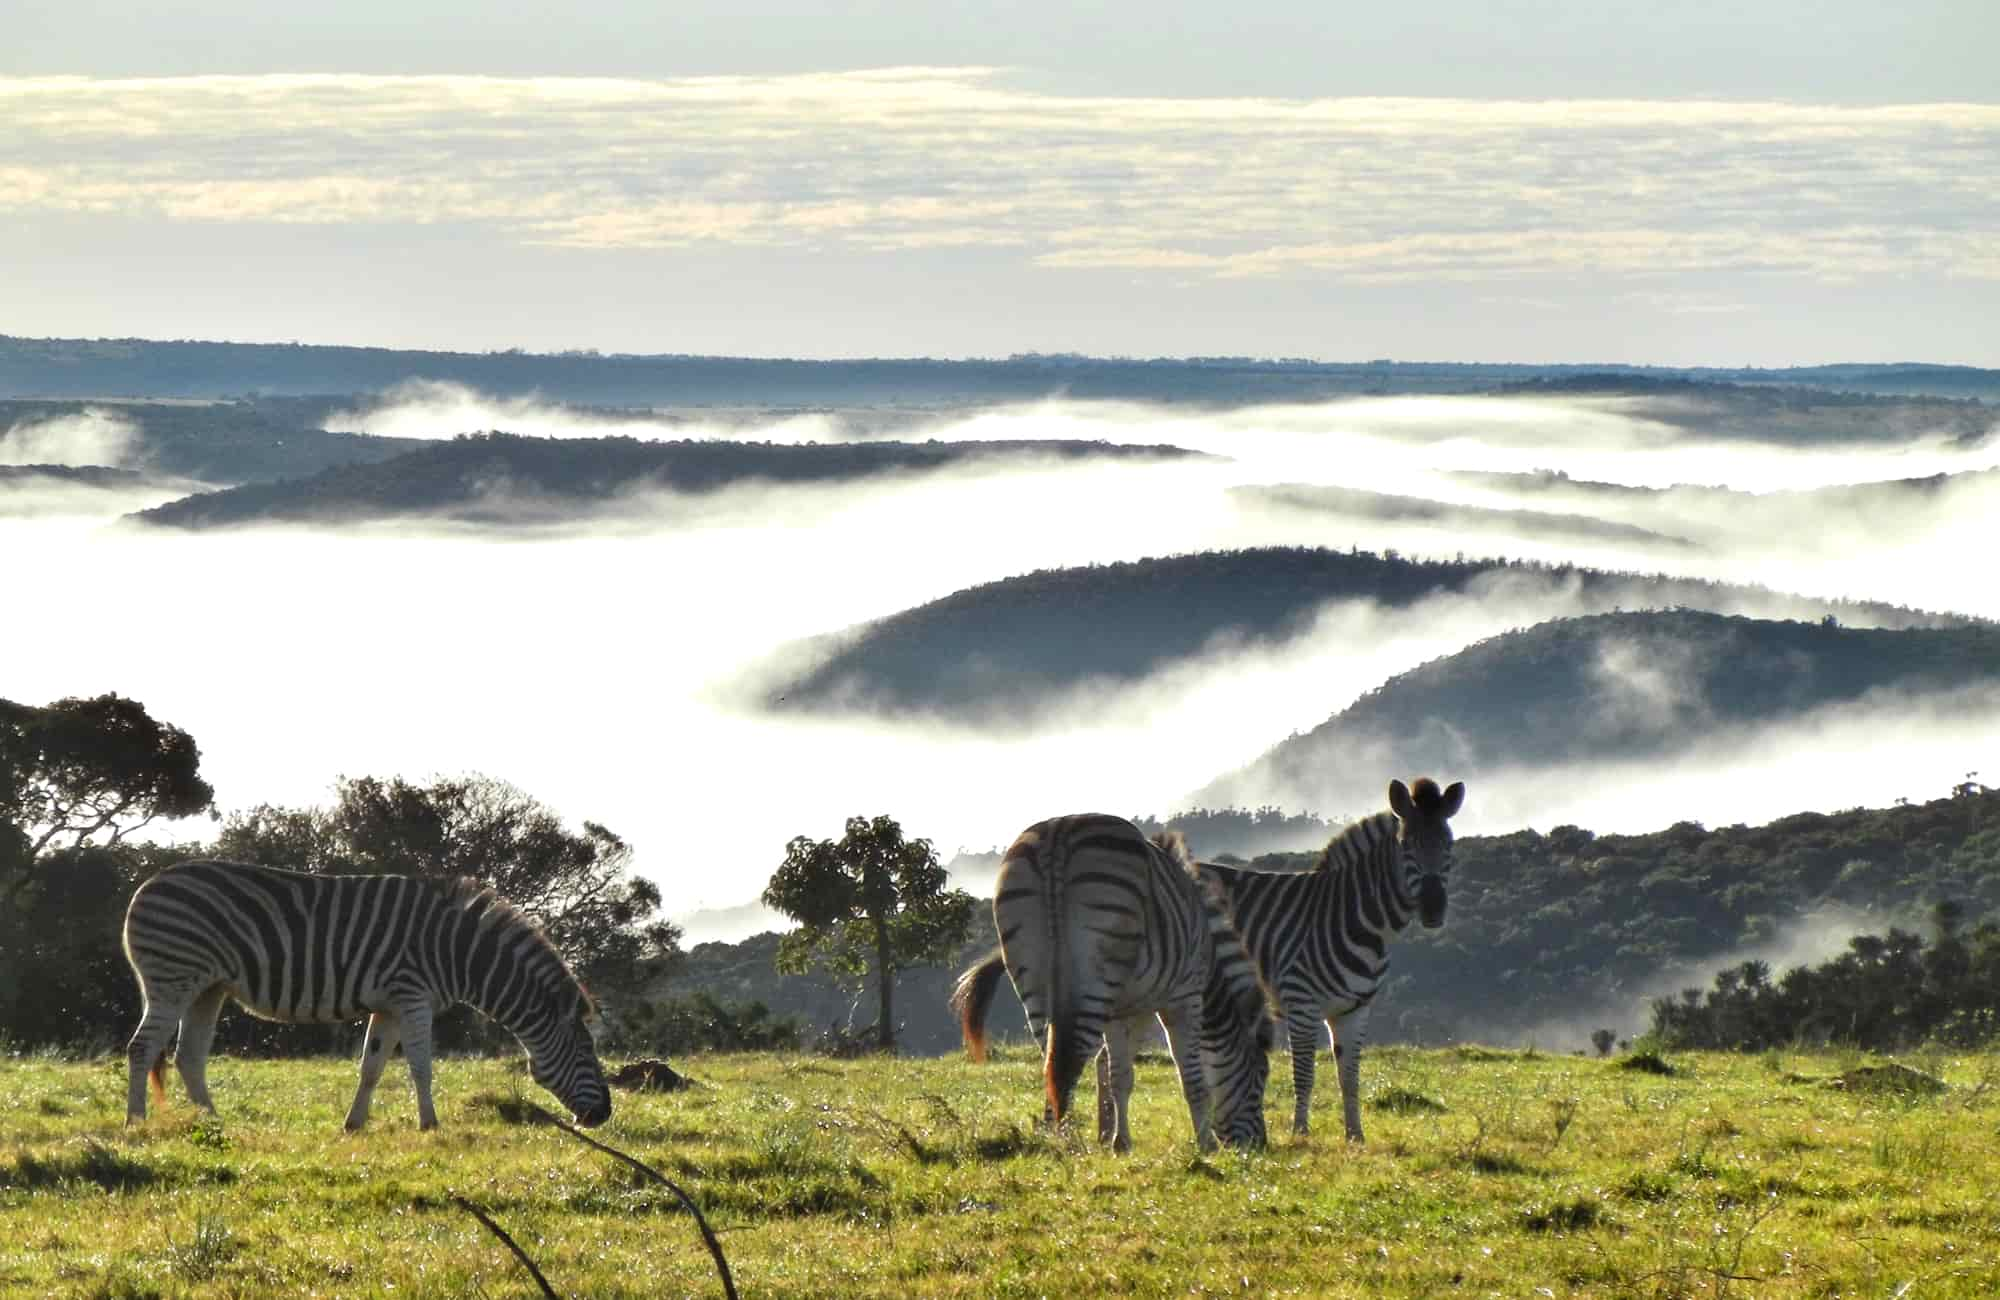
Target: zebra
x=1099 y=927
x=316 y=949
x=1320 y=938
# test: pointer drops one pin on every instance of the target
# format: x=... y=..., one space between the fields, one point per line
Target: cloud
x=93 y=436
x=908 y=158
x=597 y=666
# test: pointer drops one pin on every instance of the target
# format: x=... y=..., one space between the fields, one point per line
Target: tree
x=78 y=777
x=872 y=898
x=84 y=771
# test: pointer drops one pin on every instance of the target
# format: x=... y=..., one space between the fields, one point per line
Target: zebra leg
x=197 y=1035
x=1350 y=1031
x=1306 y=1033
x=144 y=1052
x=1182 y=1021
x=1114 y=1085
x=417 y=1051
x=385 y=1030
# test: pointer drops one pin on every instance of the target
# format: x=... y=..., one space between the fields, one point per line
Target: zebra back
x=1097 y=923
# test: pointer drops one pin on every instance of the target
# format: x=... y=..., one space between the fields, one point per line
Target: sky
x=1505 y=180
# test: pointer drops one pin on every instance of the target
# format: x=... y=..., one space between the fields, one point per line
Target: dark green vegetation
x=1886 y=992
x=78 y=777
x=872 y=902
x=1487 y=1173
x=1551 y=935
x=1613 y=687
x=94 y=367
x=994 y=651
x=501 y=478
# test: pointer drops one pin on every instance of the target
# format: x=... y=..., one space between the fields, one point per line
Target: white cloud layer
x=916 y=158
x=599 y=668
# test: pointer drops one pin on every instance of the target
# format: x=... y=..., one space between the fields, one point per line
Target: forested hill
x=500 y=478
x=1607 y=687
x=1551 y=935
x=1011 y=646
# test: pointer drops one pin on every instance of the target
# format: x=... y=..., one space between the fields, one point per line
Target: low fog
x=609 y=670
x=96 y=436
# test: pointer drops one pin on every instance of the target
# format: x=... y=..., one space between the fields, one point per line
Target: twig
x=707 y=1233
x=510 y=1243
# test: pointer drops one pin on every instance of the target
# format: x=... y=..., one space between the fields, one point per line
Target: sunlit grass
x=1485 y=1173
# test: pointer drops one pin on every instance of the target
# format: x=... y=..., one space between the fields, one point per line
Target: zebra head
x=1424 y=842
x=565 y=1062
x=1246 y=1042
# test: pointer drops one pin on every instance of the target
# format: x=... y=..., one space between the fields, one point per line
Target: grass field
x=1486 y=1174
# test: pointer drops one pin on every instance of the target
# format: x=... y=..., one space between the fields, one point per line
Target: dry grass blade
x=508 y=1241
x=700 y=1220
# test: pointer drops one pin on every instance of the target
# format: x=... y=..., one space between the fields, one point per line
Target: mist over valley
x=714 y=629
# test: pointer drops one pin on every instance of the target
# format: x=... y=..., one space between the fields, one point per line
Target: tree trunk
x=885 y=972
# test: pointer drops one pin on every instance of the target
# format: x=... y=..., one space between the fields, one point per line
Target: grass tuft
x=1647 y=1063
x=1565 y=1216
x=1405 y=1101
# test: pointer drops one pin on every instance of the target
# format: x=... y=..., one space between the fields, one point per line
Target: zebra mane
x=1247 y=993
x=469 y=893
x=1424 y=793
x=1353 y=844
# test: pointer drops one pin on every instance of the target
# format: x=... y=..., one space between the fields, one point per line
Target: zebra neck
x=1363 y=865
x=508 y=973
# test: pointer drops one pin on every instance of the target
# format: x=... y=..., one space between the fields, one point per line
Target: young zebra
x=322 y=949
x=1320 y=938
x=1100 y=927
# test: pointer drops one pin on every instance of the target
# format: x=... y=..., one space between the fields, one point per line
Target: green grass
x=1486 y=1173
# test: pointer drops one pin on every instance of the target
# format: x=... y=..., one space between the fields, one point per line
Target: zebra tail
x=972 y=997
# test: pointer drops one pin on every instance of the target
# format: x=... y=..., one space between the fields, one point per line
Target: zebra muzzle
x=1431 y=902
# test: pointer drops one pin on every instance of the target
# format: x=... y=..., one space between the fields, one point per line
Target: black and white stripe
x=321 y=949
x=1320 y=938
x=1101 y=927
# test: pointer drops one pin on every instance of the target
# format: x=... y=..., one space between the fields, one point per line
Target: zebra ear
x=1399 y=801
x=1454 y=798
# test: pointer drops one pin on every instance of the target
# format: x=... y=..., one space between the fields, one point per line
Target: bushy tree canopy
x=871 y=900
x=88 y=771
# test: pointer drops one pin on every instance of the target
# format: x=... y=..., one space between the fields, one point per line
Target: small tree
x=1603 y=1040
x=872 y=899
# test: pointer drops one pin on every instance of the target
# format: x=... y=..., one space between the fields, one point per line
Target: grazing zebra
x=322 y=949
x=1100 y=927
x=1320 y=938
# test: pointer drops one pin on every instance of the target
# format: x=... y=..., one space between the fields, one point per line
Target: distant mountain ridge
x=43 y=367
x=502 y=478
x=1006 y=648
x=1615 y=686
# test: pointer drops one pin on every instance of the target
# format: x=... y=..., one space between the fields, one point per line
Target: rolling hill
x=1009 y=648
x=1612 y=686
x=501 y=478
